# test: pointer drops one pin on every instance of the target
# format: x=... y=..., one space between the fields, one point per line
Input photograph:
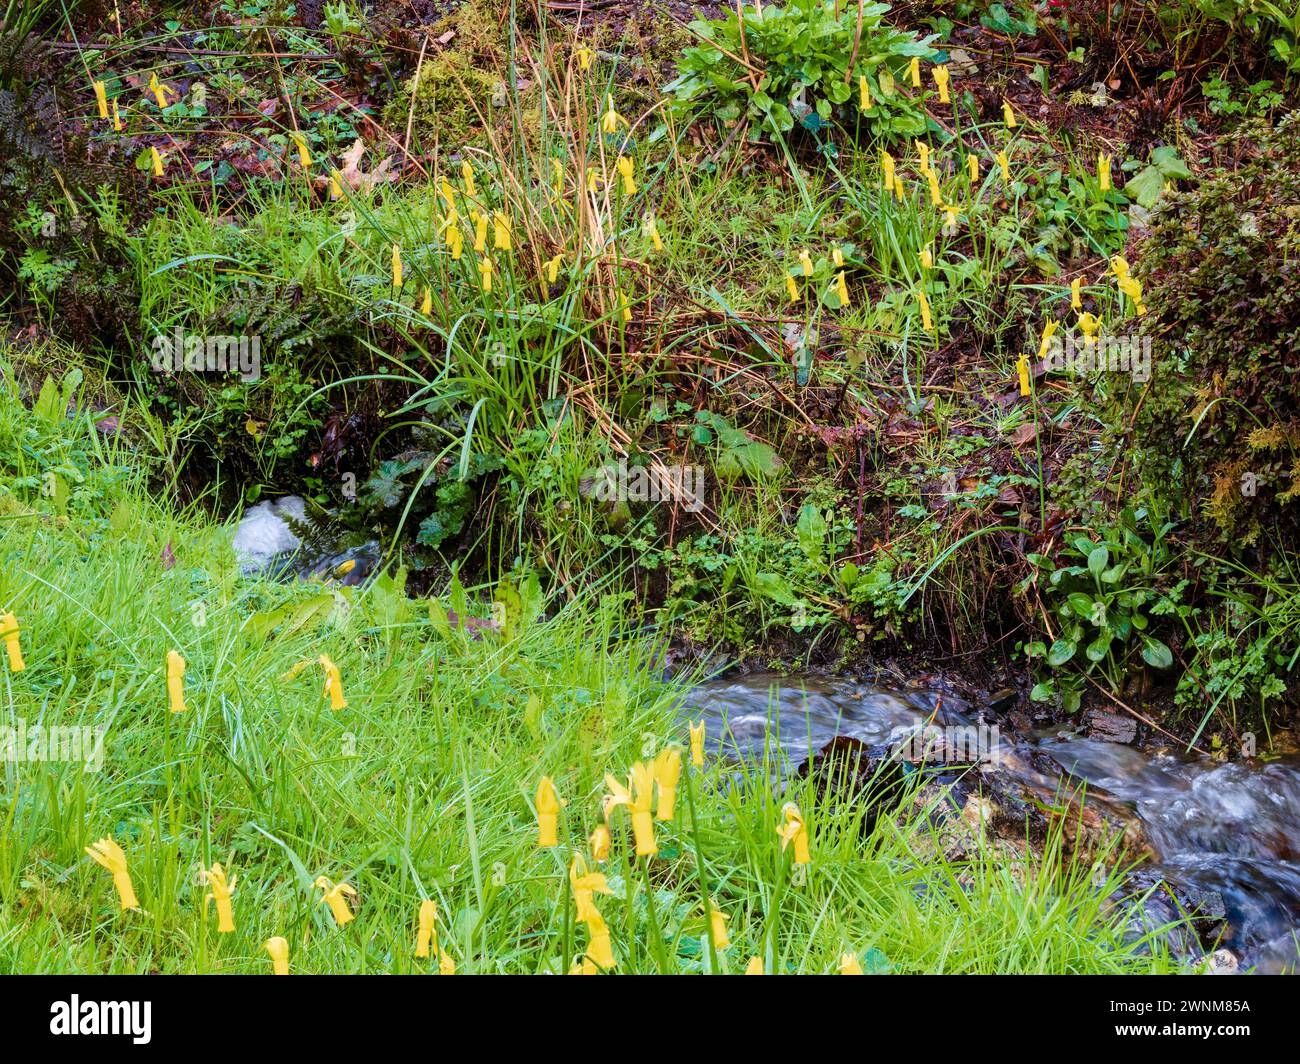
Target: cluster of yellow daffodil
x=102 y=104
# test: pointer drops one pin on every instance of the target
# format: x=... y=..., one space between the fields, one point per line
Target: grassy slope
x=421 y=787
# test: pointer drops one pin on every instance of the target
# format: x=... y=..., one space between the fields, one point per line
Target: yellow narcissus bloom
x=101 y=98
x=336 y=186
x=610 y=119
x=927 y=258
x=175 y=682
x=973 y=167
x=697 y=744
x=585 y=56
x=426 y=935
x=792 y=287
x=941 y=80
x=585 y=885
x=557 y=177
x=643 y=832
x=923 y=151
x=304 y=155
x=548 y=812
x=9 y=633
x=1022 y=373
x=467 y=176
x=888 y=166
x=159 y=90
x=793 y=829
x=456 y=242
x=864 y=93
x=448 y=194
x=668 y=770
x=1008 y=115
x=650 y=228
x=397 y=265
x=1103 y=171
x=1091 y=326
x=755 y=966
x=949 y=219
x=333 y=689
x=600 y=844
x=914 y=71
x=927 y=323
x=837 y=257
x=1120 y=265
x=109 y=854
x=936 y=197
x=426 y=308
x=806 y=263
x=446 y=963
x=1132 y=287
x=480 y=231
x=624 y=306
x=599 y=948
x=117 y=118
x=849 y=964
x=553 y=267
x=842 y=290
x=1005 y=166
x=1076 y=297
x=500 y=232
x=156 y=156
x=278 y=948
x=718 y=928
x=221 y=893
x=626 y=169
x=1045 y=344
x=485 y=271
x=336 y=897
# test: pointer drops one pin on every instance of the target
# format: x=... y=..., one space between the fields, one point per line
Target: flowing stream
x=1231 y=830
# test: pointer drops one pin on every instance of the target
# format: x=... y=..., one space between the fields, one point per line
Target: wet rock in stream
x=279 y=539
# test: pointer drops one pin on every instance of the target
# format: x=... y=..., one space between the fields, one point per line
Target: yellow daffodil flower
x=585 y=56
x=333 y=689
x=806 y=263
x=397 y=265
x=755 y=966
x=837 y=257
x=156 y=156
x=626 y=169
x=1091 y=326
x=927 y=323
x=599 y=948
x=600 y=844
x=557 y=177
x=548 y=812
x=849 y=964
x=650 y=228
x=109 y=854
x=718 y=928
x=1008 y=115
x=278 y=948
x=923 y=150
x=941 y=80
x=624 y=306
x=1022 y=373
x=792 y=287
x=553 y=267
x=480 y=231
x=864 y=93
x=927 y=258
x=1120 y=265
x=1005 y=166
x=697 y=744
x=888 y=166
x=500 y=232
x=467 y=177
x=101 y=98
x=485 y=270
x=936 y=197
x=842 y=290
x=448 y=194
x=668 y=769
x=446 y=963
x=304 y=155
x=610 y=119
x=221 y=893
x=642 y=790
x=1132 y=287
x=336 y=186
x=9 y=633
x=426 y=308
x=585 y=885
x=426 y=935
x=159 y=90
x=914 y=71
x=1045 y=344
x=793 y=829
x=1103 y=171
x=336 y=897
x=456 y=242
x=973 y=167
x=1076 y=297
x=949 y=219
x=117 y=118
x=175 y=682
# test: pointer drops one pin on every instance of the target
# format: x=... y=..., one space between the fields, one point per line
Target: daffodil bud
x=156 y=157
x=426 y=937
x=941 y=81
x=175 y=681
x=333 y=689
x=792 y=287
x=1076 y=298
x=718 y=928
x=973 y=167
x=1005 y=166
x=1022 y=372
x=426 y=304
x=842 y=290
x=927 y=323
x=397 y=265
x=668 y=769
x=467 y=176
x=1103 y=171
x=548 y=812
x=101 y=99
x=793 y=829
x=1008 y=115
x=914 y=71
x=864 y=93
x=501 y=232
x=485 y=272
x=697 y=744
